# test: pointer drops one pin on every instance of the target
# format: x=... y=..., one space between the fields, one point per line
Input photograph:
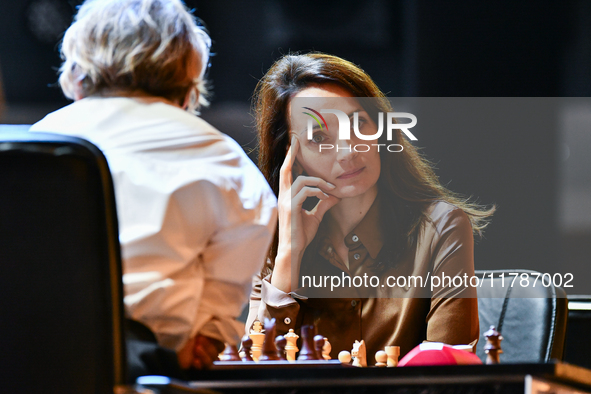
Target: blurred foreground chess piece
x=381 y=358
x=319 y=341
x=257 y=336
x=393 y=353
x=291 y=348
x=269 y=348
x=281 y=343
x=345 y=357
x=307 y=352
x=326 y=349
x=246 y=349
x=230 y=353
x=358 y=353
x=493 y=346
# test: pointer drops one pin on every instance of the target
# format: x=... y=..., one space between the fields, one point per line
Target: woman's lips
x=351 y=174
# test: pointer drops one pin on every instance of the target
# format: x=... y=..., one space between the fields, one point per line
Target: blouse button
x=355 y=238
x=287 y=320
x=356 y=256
x=354 y=303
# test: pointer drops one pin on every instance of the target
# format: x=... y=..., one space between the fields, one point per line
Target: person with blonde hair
x=196 y=216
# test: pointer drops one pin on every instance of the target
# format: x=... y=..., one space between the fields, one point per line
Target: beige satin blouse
x=383 y=314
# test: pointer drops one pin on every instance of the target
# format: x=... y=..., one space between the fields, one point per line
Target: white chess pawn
x=291 y=348
x=393 y=353
x=326 y=349
x=257 y=336
x=345 y=357
x=381 y=358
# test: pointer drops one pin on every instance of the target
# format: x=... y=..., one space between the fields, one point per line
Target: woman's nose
x=345 y=150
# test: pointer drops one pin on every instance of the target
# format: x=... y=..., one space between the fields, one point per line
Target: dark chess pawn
x=493 y=346
x=269 y=348
x=281 y=342
x=246 y=348
x=318 y=345
x=308 y=352
x=230 y=353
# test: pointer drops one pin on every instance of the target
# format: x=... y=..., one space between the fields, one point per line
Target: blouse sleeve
x=267 y=301
x=453 y=314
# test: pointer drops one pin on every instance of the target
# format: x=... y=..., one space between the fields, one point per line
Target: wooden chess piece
x=493 y=346
x=269 y=349
x=257 y=336
x=246 y=347
x=318 y=345
x=358 y=353
x=230 y=353
x=326 y=349
x=381 y=358
x=393 y=353
x=307 y=352
x=291 y=348
x=280 y=343
x=345 y=357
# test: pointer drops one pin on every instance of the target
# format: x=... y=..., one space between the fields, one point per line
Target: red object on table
x=436 y=353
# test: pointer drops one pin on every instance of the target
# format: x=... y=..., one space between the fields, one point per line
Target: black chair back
x=531 y=315
x=60 y=281
x=577 y=346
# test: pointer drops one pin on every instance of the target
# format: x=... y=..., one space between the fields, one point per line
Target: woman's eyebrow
x=314 y=129
x=358 y=110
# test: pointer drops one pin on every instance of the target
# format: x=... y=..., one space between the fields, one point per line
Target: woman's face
x=353 y=173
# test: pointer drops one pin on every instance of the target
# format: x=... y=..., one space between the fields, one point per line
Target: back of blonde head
x=150 y=46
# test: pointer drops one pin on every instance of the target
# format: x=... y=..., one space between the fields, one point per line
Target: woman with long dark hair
x=379 y=213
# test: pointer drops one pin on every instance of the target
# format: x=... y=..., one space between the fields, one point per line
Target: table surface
x=333 y=376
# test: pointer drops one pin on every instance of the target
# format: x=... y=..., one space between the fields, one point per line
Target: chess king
x=344 y=212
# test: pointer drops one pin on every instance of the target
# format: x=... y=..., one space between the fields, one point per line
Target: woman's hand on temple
x=297 y=227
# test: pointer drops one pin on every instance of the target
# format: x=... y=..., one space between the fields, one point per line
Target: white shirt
x=196 y=216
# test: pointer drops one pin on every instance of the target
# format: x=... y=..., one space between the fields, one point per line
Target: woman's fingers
x=285 y=173
x=298 y=200
x=323 y=206
x=309 y=181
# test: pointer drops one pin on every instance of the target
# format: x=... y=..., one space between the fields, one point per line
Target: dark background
x=411 y=48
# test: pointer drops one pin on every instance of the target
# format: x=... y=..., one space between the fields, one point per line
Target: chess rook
x=393 y=353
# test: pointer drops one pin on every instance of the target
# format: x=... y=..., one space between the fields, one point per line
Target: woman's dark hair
x=407 y=180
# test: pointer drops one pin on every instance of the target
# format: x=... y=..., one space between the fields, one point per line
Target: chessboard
x=279 y=364
x=264 y=350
